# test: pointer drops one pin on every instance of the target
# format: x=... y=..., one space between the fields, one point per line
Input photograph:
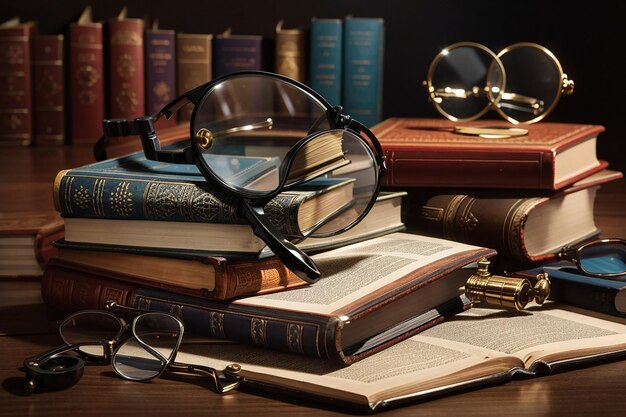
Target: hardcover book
x=428 y=153
x=363 y=56
x=232 y=53
x=473 y=349
x=521 y=225
x=16 y=102
x=127 y=79
x=86 y=79
x=160 y=71
x=372 y=295
x=326 y=62
x=290 y=56
x=194 y=65
x=26 y=242
x=49 y=88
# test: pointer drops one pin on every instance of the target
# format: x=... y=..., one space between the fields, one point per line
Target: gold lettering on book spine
x=294 y=337
x=258 y=331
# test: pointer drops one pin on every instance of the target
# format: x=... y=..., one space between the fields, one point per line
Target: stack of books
x=526 y=197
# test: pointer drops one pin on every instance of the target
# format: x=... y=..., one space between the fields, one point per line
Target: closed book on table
x=26 y=242
x=372 y=295
x=160 y=72
x=127 y=79
x=363 y=57
x=49 y=89
x=521 y=225
x=86 y=79
x=326 y=60
x=16 y=100
x=194 y=65
x=429 y=153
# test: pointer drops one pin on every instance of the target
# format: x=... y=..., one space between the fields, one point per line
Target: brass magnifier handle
x=509 y=292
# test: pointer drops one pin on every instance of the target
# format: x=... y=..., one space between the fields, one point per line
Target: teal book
x=363 y=57
x=132 y=187
x=570 y=286
x=325 y=70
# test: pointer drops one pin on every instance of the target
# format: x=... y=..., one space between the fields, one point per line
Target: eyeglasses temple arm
x=222 y=381
x=296 y=260
x=55 y=351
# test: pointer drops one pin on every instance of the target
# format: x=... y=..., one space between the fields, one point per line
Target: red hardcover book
x=429 y=153
x=126 y=68
x=16 y=102
x=49 y=86
x=86 y=79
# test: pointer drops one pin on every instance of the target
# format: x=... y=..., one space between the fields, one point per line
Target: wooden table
x=26 y=178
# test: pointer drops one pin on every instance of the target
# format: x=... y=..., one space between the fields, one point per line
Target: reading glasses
x=255 y=134
x=522 y=83
x=101 y=337
x=605 y=258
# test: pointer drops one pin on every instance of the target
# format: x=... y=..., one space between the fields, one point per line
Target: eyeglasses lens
x=154 y=345
x=609 y=258
x=90 y=327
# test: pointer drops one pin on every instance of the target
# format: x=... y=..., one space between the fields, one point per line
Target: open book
x=478 y=347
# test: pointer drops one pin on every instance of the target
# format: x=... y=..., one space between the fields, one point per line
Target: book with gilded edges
x=522 y=225
x=326 y=60
x=160 y=71
x=86 y=79
x=26 y=242
x=126 y=68
x=194 y=64
x=363 y=56
x=428 y=153
x=372 y=295
x=49 y=89
x=16 y=100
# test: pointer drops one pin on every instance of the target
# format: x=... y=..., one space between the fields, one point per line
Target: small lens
x=133 y=361
x=606 y=258
x=90 y=327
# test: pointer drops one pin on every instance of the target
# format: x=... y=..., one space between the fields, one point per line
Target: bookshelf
x=415 y=31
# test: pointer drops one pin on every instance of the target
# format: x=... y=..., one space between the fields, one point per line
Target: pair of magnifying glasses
x=522 y=83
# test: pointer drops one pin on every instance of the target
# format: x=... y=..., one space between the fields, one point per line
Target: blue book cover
x=232 y=53
x=363 y=69
x=326 y=58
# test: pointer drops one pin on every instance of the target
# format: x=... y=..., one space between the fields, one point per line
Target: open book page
x=355 y=272
x=479 y=343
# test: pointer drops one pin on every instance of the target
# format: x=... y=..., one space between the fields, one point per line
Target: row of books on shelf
x=389 y=304
x=58 y=88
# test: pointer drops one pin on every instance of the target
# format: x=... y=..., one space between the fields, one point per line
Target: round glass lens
x=161 y=332
x=245 y=125
x=465 y=80
x=533 y=83
x=606 y=258
x=91 y=327
x=133 y=361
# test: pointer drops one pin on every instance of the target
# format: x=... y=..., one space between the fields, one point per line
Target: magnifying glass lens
x=90 y=327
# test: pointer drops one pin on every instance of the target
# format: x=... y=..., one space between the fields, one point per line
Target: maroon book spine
x=160 y=72
x=16 y=103
x=86 y=82
x=49 y=89
x=126 y=69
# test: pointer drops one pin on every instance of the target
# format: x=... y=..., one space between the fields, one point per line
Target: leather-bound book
x=194 y=63
x=86 y=79
x=160 y=71
x=16 y=102
x=290 y=56
x=49 y=89
x=126 y=67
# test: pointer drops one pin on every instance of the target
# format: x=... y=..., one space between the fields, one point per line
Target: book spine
x=237 y=53
x=86 y=82
x=49 y=89
x=160 y=72
x=326 y=58
x=497 y=223
x=585 y=292
x=301 y=333
x=16 y=102
x=193 y=65
x=126 y=69
x=363 y=53
x=290 y=56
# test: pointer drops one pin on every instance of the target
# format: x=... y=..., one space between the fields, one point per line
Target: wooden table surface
x=26 y=178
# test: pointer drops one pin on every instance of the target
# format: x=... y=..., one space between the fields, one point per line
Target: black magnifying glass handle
x=53 y=371
x=296 y=260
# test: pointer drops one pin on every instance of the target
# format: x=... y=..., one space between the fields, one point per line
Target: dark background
x=588 y=38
